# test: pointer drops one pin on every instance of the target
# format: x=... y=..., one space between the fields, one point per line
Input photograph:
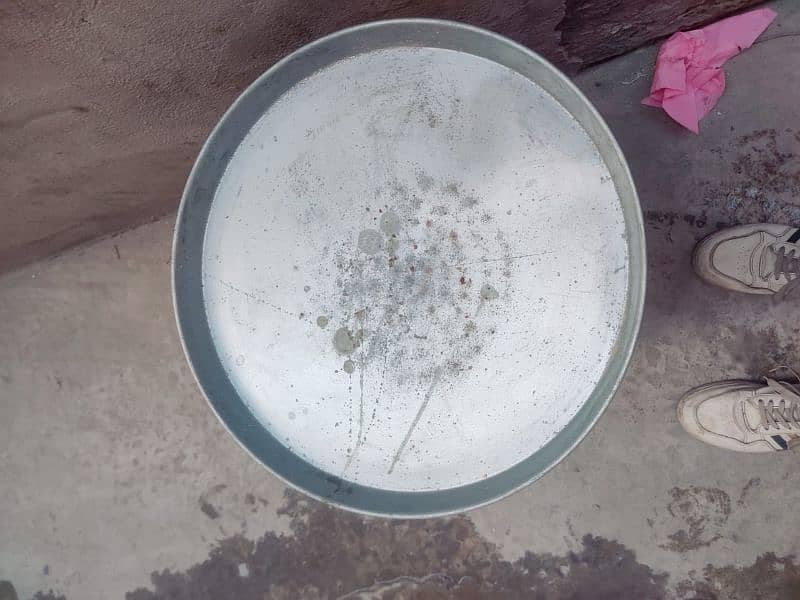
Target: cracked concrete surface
x=118 y=480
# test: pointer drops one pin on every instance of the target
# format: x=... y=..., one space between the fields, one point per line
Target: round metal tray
x=409 y=267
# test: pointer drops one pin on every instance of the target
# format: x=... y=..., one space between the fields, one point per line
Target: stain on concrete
x=765 y=182
x=763 y=187
x=702 y=511
x=761 y=350
x=754 y=482
x=330 y=553
x=204 y=501
x=49 y=595
x=335 y=554
x=769 y=578
x=208 y=509
x=664 y=221
x=7 y=591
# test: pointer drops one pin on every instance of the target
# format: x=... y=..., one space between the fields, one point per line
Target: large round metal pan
x=409 y=268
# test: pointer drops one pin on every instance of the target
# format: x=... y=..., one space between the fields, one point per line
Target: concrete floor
x=117 y=479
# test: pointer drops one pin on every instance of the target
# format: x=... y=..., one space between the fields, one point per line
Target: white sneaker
x=743 y=415
x=755 y=259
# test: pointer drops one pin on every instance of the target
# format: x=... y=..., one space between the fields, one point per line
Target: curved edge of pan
x=187 y=250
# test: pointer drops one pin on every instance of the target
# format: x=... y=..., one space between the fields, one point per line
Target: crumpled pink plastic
x=688 y=79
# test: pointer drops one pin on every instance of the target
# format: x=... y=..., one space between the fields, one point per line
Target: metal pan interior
x=409 y=267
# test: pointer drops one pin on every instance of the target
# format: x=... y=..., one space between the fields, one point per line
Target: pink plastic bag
x=688 y=79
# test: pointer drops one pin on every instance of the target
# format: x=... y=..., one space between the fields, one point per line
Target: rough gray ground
x=116 y=478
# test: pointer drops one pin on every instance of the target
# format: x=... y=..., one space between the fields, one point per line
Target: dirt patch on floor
x=331 y=553
x=764 y=186
x=660 y=220
x=8 y=592
x=769 y=578
x=702 y=511
x=334 y=554
x=762 y=350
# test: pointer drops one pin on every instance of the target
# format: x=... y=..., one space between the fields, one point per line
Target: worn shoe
x=743 y=415
x=755 y=259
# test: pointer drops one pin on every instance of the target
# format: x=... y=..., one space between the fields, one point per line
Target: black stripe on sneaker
x=780 y=441
x=795 y=237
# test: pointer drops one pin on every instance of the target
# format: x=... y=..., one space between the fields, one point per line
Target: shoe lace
x=787 y=264
x=780 y=414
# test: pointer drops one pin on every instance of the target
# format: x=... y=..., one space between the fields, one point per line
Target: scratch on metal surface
x=484 y=261
x=573 y=294
x=525 y=332
x=436 y=377
x=362 y=368
x=379 y=394
x=361 y=399
x=349 y=418
x=360 y=433
x=253 y=296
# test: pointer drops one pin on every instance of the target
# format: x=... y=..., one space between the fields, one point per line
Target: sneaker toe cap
x=715 y=417
x=726 y=261
x=708 y=414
